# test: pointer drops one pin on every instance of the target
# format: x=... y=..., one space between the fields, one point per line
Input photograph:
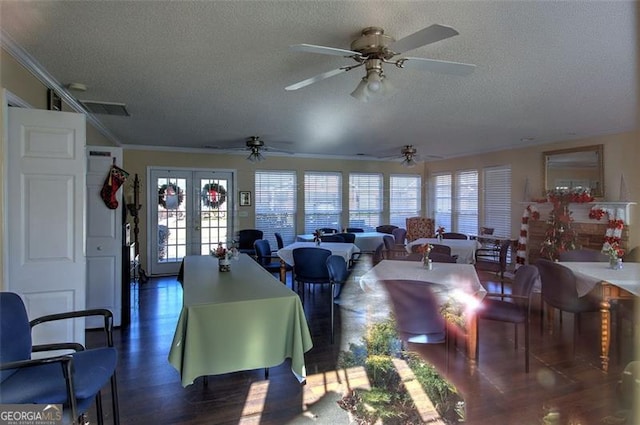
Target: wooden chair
x=486 y=260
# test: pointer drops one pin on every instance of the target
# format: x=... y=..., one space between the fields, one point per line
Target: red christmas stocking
x=115 y=179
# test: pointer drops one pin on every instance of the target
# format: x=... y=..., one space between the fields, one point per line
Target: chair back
x=419 y=227
x=559 y=288
x=246 y=238
x=416 y=310
x=486 y=258
x=386 y=228
x=263 y=252
x=348 y=237
x=454 y=235
x=310 y=264
x=328 y=230
x=389 y=242
x=400 y=235
x=441 y=249
x=337 y=267
x=437 y=257
x=587 y=255
x=524 y=281
x=15 y=332
x=486 y=230
x=632 y=256
x=378 y=254
x=279 y=240
x=355 y=230
x=332 y=238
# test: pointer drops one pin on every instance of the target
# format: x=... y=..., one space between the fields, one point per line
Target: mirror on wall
x=575 y=168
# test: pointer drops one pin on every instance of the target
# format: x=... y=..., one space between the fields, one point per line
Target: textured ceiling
x=196 y=73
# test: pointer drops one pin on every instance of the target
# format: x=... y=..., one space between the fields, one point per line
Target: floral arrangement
x=317 y=235
x=440 y=231
x=613 y=250
x=596 y=213
x=564 y=196
x=425 y=249
x=221 y=252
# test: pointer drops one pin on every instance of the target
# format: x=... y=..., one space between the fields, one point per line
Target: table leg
x=605 y=333
x=283 y=272
x=472 y=336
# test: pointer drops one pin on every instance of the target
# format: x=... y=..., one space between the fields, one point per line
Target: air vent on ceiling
x=106 y=108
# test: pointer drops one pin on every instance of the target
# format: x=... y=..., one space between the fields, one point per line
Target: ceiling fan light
x=360 y=92
x=409 y=162
x=255 y=156
x=374 y=82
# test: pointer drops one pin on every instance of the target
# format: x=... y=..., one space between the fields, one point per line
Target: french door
x=191 y=212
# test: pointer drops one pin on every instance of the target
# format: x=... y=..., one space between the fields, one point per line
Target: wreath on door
x=213 y=195
x=170 y=196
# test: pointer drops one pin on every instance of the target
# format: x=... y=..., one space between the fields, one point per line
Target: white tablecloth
x=590 y=274
x=345 y=250
x=453 y=278
x=366 y=241
x=465 y=249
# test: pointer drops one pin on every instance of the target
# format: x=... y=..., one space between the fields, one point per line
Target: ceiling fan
x=254 y=145
x=409 y=156
x=373 y=48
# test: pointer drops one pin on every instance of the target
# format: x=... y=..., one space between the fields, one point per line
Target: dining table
x=366 y=241
x=610 y=284
x=465 y=249
x=345 y=250
x=243 y=319
x=452 y=283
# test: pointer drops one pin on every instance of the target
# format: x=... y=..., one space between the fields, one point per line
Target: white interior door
x=190 y=214
x=45 y=259
x=104 y=237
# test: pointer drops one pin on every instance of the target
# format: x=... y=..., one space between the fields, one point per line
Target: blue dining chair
x=512 y=308
x=246 y=238
x=338 y=276
x=73 y=380
x=265 y=257
x=417 y=313
x=310 y=266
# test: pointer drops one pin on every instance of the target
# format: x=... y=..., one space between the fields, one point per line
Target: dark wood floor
x=496 y=389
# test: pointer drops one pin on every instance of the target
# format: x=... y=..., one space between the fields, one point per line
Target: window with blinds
x=497 y=199
x=322 y=200
x=466 y=202
x=365 y=201
x=275 y=203
x=441 y=200
x=404 y=198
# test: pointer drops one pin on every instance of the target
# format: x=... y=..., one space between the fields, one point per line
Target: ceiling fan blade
x=442 y=67
x=323 y=50
x=316 y=78
x=425 y=36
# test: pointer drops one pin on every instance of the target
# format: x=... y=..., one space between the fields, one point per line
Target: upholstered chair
x=419 y=227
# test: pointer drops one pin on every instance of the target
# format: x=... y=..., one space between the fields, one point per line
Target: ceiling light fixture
x=254 y=144
x=374 y=84
x=409 y=153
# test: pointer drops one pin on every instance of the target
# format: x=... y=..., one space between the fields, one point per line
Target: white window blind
x=441 y=191
x=322 y=200
x=497 y=199
x=466 y=202
x=404 y=198
x=365 y=201
x=275 y=203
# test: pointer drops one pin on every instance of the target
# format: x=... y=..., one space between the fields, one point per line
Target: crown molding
x=34 y=67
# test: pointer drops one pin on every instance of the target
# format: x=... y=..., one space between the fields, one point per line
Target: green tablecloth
x=238 y=320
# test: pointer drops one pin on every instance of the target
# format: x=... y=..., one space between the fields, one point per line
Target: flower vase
x=317 y=242
x=439 y=238
x=224 y=265
x=615 y=263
